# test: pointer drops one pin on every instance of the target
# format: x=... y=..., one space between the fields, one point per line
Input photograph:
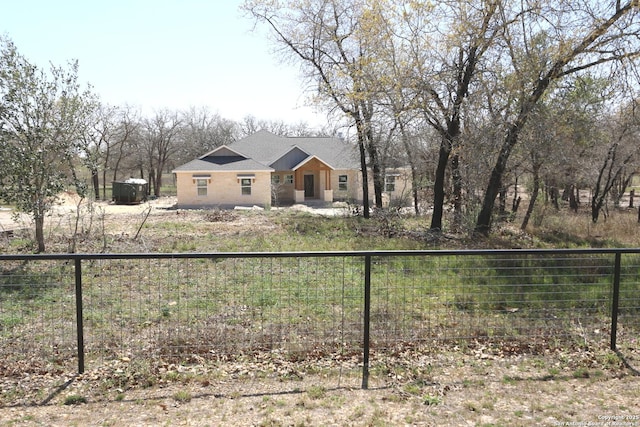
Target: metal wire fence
x=59 y=310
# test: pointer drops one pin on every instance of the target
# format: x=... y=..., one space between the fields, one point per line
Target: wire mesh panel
x=514 y=300
x=216 y=307
x=37 y=316
x=192 y=307
x=629 y=303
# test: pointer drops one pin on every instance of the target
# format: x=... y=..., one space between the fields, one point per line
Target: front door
x=308 y=186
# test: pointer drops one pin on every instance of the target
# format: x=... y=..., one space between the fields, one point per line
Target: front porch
x=300 y=196
x=312 y=180
x=311 y=184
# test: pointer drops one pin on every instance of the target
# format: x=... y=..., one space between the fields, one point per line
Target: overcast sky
x=157 y=54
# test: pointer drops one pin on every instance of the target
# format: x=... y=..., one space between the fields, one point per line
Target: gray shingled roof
x=209 y=163
x=262 y=150
x=266 y=148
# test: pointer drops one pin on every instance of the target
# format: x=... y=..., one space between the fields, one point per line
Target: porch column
x=328 y=196
x=298 y=196
x=299 y=180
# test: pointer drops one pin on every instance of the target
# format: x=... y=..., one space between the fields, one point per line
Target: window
x=275 y=179
x=288 y=179
x=201 y=185
x=390 y=183
x=245 y=183
x=342 y=182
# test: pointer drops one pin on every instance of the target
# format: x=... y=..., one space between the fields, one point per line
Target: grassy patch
x=317 y=392
x=74 y=399
x=430 y=400
x=182 y=396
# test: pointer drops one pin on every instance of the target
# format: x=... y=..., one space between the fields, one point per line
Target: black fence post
x=615 y=301
x=367 y=320
x=79 y=315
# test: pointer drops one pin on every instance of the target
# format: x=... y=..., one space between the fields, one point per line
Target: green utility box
x=131 y=191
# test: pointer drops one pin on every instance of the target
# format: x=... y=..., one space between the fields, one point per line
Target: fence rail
x=90 y=308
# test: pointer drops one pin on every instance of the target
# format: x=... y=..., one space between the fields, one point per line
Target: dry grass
x=567 y=229
x=427 y=385
x=461 y=389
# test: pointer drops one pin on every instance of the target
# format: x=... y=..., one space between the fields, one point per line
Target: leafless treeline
x=121 y=142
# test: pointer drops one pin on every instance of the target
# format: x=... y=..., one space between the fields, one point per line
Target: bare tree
x=162 y=135
x=448 y=44
x=553 y=41
x=251 y=124
x=543 y=145
x=622 y=154
x=329 y=39
x=202 y=132
x=122 y=126
x=92 y=141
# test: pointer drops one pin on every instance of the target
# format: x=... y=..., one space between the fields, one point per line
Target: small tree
x=39 y=118
x=162 y=138
x=621 y=154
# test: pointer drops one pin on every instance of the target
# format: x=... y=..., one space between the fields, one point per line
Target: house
x=264 y=169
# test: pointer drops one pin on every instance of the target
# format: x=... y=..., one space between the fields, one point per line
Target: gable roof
x=264 y=151
x=239 y=164
x=268 y=148
x=222 y=151
x=310 y=159
x=223 y=159
x=288 y=160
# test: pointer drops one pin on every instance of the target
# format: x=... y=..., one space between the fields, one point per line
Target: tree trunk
x=104 y=184
x=412 y=164
x=457 y=192
x=158 y=183
x=502 y=204
x=596 y=207
x=534 y=196
x=483 y=223
x=105 y=166
x=372 y=150
x=363 y=170
x=378 y=180
x=95 y=179
x=516 y=205
x=573 y=203
x=115 y=170
x=516 y=197
x=438 y=185
x=414 y=190
x=152 y=180
x=39 y=222
x=554 y=195
x=446 y=145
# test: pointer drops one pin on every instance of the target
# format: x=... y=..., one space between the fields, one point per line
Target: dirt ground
x=164 y=206
x=473 y=390
x=563 y=388
x=68 y=203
